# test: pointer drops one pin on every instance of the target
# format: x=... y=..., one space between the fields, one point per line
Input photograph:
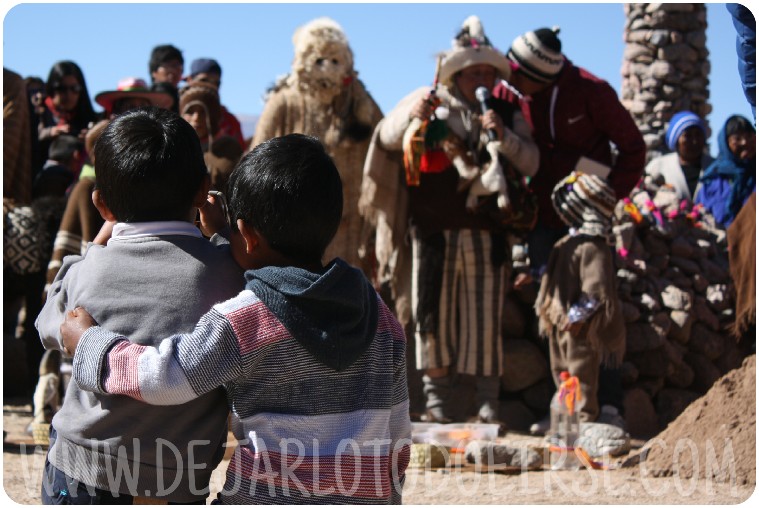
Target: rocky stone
x=682 y=375
x=651 y=363
x=666 y=48
x=651 y=385
x=675 y=298
x=681 y=247
x=601 y=439
x=647 y=302
x=686 y=265
x=488 y=453
x=514 y=322
x=516 y=416
x=524 y=365
x=655 y=246
x=640 y=414
x=630 y=312
x=538 y=396
x=700 y=283
x=642 y=337
x=717 y=297
x=628 y=373
x=713 y=272
x=706 y=342
x=731 y=358
x=704 y=370
x=682 y=323
x=704 y=314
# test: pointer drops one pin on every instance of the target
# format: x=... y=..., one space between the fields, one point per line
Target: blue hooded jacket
x=727 y=183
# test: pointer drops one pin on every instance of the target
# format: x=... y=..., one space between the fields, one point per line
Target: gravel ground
x=23 y=462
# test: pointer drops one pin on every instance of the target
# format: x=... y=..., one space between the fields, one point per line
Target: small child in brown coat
x=578 y=307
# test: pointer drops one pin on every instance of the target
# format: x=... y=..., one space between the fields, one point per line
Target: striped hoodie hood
x=333 y=315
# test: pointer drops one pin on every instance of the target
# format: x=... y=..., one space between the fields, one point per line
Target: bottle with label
x=565 y=425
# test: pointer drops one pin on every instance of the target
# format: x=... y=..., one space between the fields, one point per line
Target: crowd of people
x=504 y=174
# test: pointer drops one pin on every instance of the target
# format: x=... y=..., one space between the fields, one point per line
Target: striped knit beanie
x=538 y=54
x=677 y=125
x=586 y=203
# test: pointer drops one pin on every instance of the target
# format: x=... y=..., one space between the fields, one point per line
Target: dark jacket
x=578 y=115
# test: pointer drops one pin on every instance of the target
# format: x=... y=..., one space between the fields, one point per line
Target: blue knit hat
x=677 y=125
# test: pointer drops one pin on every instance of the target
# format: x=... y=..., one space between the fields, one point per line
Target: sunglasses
x=71 y=88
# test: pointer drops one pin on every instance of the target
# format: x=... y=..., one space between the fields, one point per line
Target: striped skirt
x=457 y=301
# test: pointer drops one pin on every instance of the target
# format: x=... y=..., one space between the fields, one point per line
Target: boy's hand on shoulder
x=76 y=323
x=213 y=214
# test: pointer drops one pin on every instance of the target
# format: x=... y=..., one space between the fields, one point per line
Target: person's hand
x=522 y=280
x=105 y=233
x=491 y=120
x=212 y=215
x=76 y=323
x=60 y=129
x=422 y=109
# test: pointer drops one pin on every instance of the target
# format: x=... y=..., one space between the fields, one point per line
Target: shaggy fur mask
x=323 y=64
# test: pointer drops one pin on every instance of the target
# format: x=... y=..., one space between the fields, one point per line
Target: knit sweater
x=144 y=286
x=315 y=371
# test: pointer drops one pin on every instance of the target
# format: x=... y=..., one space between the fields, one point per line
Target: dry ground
x=22 y=467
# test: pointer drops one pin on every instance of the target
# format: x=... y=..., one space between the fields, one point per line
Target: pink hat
x=133 y=88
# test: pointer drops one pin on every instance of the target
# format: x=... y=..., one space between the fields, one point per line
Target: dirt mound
x=715 y=437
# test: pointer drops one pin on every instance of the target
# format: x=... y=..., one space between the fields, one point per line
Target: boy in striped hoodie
x=312 y=360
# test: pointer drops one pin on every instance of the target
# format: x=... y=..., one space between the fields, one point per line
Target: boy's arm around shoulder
x=179 y=369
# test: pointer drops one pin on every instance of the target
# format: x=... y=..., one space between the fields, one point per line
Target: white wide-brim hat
x=472 y=47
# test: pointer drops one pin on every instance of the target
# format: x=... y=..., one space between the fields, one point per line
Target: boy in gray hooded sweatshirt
x=157 y=275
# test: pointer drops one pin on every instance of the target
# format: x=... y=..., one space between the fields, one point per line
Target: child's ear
x=202 y=196
x=105 y=212
x=250 y=236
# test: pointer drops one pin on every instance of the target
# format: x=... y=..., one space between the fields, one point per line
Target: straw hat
x=133 y=88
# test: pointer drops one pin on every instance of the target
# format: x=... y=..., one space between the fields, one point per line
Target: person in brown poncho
x=577 y=305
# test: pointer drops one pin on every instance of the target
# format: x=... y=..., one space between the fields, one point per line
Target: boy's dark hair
x=289 y=190
x=63 y=147
x=149 y=166
x=737 y=124
x=161 y=54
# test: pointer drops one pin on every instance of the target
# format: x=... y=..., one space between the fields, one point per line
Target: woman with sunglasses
x=68 y=105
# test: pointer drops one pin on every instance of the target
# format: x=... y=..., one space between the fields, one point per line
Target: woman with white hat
x=460 y=259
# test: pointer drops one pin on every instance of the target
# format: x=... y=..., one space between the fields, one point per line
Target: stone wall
x=674 y=284
x=665 y=67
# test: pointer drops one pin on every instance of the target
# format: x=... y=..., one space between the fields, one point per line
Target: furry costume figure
x=322 y=97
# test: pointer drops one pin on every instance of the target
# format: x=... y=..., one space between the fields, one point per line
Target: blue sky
x=394 y=44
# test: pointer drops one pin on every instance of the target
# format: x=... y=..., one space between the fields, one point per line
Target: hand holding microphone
x=490 y=120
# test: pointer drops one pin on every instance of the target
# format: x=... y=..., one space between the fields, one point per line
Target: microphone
x=483 y=94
